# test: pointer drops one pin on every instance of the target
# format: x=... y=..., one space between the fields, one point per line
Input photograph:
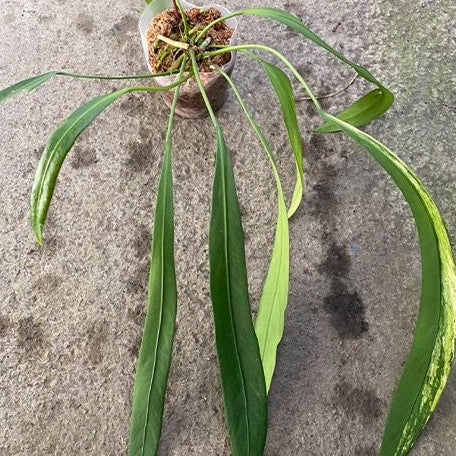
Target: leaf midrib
x=165 y=198
x=276 y=287
x=227 y=269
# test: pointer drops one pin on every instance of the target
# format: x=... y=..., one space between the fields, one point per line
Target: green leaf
x=270 y=319
x=295 y=23
x=282 y=86
x=26 y=84
x=36 y=81
x=55 y=152
x=241 y=371
x=61 y=142
x=369 y=107
x=156 y=346
x=429 y=362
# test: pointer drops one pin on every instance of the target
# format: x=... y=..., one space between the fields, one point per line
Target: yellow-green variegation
x=429 y=361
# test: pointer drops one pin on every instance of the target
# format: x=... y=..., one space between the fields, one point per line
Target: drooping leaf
x=429 y=361
x=59 y=145
x=282 y=86
x=156 y=347
x=367 y=108
x=34 y=82
x=270 y=319
x=55 y=152
x=27 y=84
x=241 y=371
x=288 y=19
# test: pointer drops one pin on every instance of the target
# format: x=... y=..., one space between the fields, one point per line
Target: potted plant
x=190 y=53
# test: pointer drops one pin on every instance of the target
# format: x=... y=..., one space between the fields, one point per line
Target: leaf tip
x=38 y=230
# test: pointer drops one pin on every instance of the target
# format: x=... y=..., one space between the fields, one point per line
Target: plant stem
x=178 y=61
x=174 y=43
x=244 y=47
x=157 y=89
x=253 y=123
x=162 y=54
x=176 y=11
x=174 y=103
x=214 y=22
x=184 y=18
x=94 y=76
x=201 y=88
x=332 y=94
x=319 y=97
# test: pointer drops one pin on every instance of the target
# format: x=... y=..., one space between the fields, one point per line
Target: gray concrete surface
x=71 y=313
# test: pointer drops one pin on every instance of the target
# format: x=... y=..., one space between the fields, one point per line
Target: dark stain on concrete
x=128 y=24
x=4 y=325
x=346 y=308
x=96 y=337
x=30 y=334
x=85 y=23
x=137 y=315
x=358 y=402
x=337 y=263
x=361 y=450
x=309 y=108
x=47 y=283
x=138 y=282
x=140 y=157
x=325 y=174
x=38 y=151
x=142 y=241
x=344 y=305
x=83 y=157
x=347 y=314
x=133 y=105
x=135 y=346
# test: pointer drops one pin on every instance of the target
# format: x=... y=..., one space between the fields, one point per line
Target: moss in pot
x=168 y=30
x=185 y=51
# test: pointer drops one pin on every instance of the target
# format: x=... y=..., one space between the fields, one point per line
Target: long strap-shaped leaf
x=241 y=372
x=156 y=346
x=237 y=346
x=59 y=145
x=35 y=81
x=429 y=361
x=27 y=84
x=362 y=111
x=270 y=319
x=282 y=87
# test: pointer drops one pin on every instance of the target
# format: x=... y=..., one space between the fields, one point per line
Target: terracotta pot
x=190 y=103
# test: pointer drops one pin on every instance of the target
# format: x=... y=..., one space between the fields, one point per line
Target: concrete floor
x=71 y=312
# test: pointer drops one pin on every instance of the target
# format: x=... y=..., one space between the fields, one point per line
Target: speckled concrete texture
x=71 y=312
